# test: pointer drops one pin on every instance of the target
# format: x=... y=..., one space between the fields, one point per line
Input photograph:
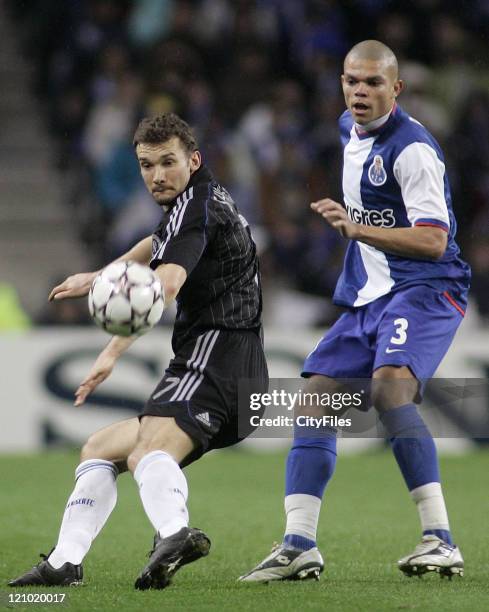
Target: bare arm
x=172 y=277
x=140 y=252
x=79 y=285
x=418 y=242
x=103 y=366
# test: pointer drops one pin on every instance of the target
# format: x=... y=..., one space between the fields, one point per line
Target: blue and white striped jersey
x=394 y=176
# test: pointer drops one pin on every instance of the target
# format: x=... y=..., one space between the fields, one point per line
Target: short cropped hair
x=161 y=128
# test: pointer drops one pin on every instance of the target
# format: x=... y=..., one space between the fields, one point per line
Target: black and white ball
x=126 y=298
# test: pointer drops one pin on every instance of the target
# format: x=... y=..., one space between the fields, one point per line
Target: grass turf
x=367 y=522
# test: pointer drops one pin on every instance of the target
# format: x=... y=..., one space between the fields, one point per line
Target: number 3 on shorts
x=401 y=327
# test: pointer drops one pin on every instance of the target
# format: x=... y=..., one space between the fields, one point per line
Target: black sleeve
x=189 y=228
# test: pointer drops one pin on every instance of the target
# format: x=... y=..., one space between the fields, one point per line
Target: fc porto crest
x=376 y=173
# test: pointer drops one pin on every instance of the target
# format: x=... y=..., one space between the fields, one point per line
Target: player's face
x=370 y=88
x=166 y=168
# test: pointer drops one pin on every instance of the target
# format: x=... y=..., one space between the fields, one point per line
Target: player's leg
x=343 y=353
x=312 y=458
x=310 y=465
x=155 y=463
x=113 y=443
x=415 y=333
x=393 y=392
x=193 y=409
x=94 y=497
x=89 y=505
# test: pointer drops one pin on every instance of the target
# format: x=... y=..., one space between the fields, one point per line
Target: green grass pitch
x=367 y=522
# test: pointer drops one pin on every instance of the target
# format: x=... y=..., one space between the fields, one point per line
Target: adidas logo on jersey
x=375 y=218
x=203 y=417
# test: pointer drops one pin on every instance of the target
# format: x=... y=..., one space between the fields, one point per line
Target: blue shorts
x=413 y=327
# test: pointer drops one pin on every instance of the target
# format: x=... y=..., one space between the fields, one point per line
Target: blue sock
x=412 y=444
x=291 y=540
x=310 y=465
x=443 y=534
x=414 y=450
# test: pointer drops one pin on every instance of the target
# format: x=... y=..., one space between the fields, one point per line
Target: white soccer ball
x=126 y=298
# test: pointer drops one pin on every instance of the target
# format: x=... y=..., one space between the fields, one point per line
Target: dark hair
x=159 y=129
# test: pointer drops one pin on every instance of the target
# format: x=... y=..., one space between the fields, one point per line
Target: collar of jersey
x=202 y=175
x=387 y=120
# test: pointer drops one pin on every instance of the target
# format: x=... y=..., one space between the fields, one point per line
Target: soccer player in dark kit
x=205 y=257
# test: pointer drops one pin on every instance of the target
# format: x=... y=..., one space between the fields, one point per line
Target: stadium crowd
x=258 y=80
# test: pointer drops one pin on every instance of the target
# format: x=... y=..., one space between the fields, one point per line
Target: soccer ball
x=126 y=298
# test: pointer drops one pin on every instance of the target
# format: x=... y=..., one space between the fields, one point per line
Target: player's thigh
x=344 y=351
x=160 y=433
x=321 y=396
x=416 y=331
x=112 y=443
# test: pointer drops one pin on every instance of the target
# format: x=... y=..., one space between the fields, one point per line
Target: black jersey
x=203 y=232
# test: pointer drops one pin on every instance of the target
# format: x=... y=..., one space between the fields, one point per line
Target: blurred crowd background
x=259 y=82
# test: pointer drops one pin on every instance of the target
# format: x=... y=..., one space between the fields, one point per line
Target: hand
x=336 y=216
x=74 y=286
x=101 y=370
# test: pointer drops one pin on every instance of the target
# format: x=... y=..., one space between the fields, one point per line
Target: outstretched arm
x=79 y=285
x=103 y=366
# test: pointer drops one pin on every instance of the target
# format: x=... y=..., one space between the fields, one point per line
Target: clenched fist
x=336 y=216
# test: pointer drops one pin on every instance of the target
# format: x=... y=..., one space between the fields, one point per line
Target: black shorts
x=200 y=387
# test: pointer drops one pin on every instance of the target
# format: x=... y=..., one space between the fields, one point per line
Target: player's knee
x=135 y=457
x=316 y=388
x=91 y=449
x=391 y=389
x=133 y=460
x=382 y=396
x=321 y=384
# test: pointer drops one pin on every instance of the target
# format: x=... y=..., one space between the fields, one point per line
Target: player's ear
x=398 y=87
x=195 y=161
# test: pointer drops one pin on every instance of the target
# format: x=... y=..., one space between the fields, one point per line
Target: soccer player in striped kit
x=404 y=287
x=206 y=259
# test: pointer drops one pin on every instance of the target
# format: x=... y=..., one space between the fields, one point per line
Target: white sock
x=164 y=492
x=302 y=515
x=431 y=506
x=87 y=510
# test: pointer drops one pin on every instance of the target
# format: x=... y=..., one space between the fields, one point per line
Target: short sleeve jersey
x=203 y=232
x=395 y=177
